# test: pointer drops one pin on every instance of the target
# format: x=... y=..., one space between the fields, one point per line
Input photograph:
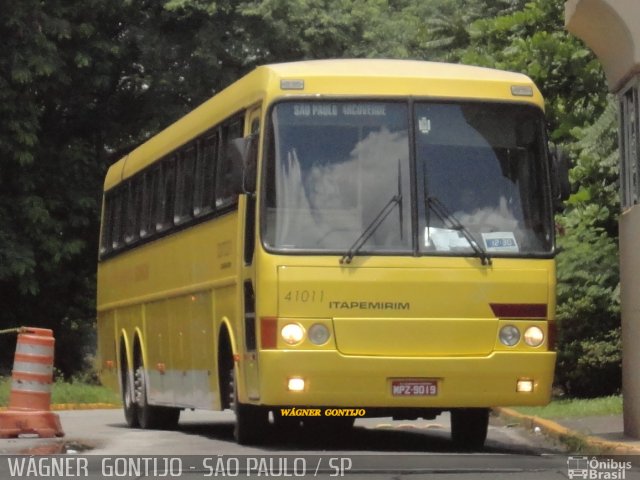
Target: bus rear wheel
x=128 y=404
x=151 y=416
x=469 y=427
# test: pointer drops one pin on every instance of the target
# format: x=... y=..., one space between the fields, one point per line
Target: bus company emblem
x=365 y=305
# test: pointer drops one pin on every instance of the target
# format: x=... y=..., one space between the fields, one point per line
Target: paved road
x=376 y=449
x=103 y=432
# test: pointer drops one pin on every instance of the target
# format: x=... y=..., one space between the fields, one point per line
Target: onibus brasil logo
x=596 y=469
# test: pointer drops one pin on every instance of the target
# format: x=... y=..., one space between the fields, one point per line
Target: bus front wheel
x=469 y=427
x=251 y=420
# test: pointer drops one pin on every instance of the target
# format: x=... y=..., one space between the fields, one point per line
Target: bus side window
x=166 y=195
x=105 y=241
x=117 y=219
x=225 y=194
x=205 y=174
x=132 y=207
x=146 y=222
x=184 y=185
x=150 y=182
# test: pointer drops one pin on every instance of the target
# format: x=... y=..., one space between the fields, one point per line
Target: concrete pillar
x=630 y=296
x=611 y=28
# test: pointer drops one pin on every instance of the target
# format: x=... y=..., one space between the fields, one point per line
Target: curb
x=78 y=406
x=84 y=406
x=568 y=436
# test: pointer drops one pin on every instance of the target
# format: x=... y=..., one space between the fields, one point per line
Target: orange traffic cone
x=31 y=379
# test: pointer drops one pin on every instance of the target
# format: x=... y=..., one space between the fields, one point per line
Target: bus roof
x=388 y=68
x=330 y=78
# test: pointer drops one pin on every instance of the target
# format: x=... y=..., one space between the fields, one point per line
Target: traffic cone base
x=43 y=424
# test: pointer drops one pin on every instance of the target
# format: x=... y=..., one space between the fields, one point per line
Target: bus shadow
x=358 y=439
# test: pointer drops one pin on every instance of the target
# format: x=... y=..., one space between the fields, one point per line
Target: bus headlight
x=319 y=334
x=292 y=333
x=533 y=336
x=509 y=335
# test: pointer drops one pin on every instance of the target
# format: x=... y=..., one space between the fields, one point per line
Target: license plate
x=414 y=388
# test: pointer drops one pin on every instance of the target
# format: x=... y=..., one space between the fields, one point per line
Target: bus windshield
x=475 y=180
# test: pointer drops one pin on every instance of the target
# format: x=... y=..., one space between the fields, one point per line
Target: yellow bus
x=346 y=237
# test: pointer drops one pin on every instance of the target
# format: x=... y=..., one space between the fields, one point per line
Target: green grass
x=67 y=392
x=567 y=408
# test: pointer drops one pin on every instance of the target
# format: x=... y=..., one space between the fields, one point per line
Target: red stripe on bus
x=519 y=310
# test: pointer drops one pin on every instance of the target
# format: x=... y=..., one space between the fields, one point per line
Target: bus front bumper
x=332 y=379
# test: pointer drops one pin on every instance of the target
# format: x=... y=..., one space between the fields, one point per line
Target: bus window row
x=182 y=188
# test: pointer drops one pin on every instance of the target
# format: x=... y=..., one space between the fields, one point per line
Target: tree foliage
x=532 y=40
x=60 y=69
x=589 y=360
x=83 y=82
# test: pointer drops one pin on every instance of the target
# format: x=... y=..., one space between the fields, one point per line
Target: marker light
x=521 y=91
x=533 y=336
x=319 y=334
x=509 y=335
x=524 y=386
x=295 y=384
x=292 y=333
x=292 y=84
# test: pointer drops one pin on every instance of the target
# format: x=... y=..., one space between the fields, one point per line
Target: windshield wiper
x=447 y=217
x=371 y=228
x=376 y=222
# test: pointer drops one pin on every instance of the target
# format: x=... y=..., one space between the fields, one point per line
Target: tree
x=61 y=68
x=532 y=40
x=81 y=84
x=589 y=356
x=447 y=29
x=286 y=30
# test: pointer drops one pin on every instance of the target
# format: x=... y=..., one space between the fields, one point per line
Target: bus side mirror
x=234 y=154
x=560 y=178
x=243 y=153
x=250 y=162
